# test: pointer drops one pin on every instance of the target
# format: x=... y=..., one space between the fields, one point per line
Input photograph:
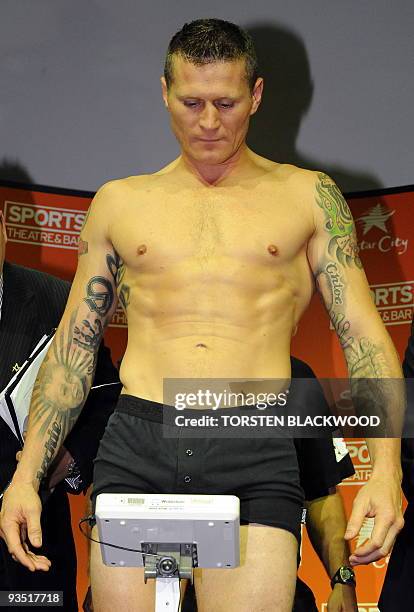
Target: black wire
x=91 y=520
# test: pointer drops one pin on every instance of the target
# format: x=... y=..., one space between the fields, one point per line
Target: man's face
x=3 y=240
x=210 y=107
x=64 y=389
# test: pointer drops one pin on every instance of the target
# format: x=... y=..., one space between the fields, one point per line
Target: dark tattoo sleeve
x=62 y=387
x=66 y=374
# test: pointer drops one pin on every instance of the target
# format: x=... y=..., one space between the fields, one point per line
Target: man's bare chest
x=211 y=228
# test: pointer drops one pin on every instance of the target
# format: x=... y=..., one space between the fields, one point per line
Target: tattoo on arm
x=88 y=335
x=372 y=389
x=51 y=445
x=339 y=221
x=61 y=390
x=66 y=374
x=117 y=269
x=100 y=295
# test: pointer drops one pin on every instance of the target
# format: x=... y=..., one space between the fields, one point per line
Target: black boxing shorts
x=135 y=456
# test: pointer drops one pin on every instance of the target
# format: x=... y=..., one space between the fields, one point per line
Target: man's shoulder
x=296 y=177
x=112 y=196
x=119 y=187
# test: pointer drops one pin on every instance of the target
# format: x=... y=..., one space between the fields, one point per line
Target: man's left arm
x=373 y=363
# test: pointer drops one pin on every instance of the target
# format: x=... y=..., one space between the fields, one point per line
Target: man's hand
x=20 y=525
x=379 y=498
x=59 y=467
x=343 y=599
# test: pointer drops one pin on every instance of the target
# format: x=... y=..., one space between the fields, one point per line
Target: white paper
x=20 y=394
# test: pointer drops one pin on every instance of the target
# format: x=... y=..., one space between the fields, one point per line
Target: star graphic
x=376 y=216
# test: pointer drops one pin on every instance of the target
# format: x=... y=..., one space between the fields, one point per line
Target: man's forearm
x=378 y=388
x=59 y=393
x=326 y=525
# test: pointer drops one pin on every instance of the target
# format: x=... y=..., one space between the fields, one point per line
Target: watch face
x=346 y=574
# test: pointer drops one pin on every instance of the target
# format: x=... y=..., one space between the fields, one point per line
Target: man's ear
x=257 y=95
x=164 y=91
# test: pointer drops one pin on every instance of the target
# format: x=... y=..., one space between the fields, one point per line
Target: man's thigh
x=120 y=588
x=265 y=580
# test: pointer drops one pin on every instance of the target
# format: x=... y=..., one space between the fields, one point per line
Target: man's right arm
x=66 y=374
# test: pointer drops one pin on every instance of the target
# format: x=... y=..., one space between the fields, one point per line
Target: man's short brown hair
x=212 y=40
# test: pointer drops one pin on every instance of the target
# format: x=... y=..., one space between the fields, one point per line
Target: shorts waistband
x=140 y=407
x=154 y=411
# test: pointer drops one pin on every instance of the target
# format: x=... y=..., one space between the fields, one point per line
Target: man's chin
x=209 y=157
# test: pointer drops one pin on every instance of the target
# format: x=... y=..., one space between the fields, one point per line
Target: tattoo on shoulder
x=339 y=221
x=82 y=247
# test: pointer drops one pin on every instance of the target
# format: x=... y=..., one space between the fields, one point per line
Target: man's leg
x=120 y=588
x=265 y=580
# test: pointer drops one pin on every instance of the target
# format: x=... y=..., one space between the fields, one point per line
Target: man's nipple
x=142 y=249
x=273 y=250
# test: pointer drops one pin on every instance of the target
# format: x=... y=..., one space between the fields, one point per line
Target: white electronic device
x=209 y=523
x=176 y=533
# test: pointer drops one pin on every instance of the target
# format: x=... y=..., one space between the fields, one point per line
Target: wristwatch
x=344 y=575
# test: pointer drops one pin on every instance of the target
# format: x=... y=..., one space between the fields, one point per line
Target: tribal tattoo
x=100 y=295
x=339 y=222
x=117 y=268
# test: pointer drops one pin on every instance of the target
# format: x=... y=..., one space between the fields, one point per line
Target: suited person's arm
x=326 y=525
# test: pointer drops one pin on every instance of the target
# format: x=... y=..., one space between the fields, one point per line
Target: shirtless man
x=214 y=258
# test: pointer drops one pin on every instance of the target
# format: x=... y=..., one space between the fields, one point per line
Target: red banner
x=43 y=225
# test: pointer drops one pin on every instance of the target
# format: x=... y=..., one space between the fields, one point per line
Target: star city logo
x=376 y=216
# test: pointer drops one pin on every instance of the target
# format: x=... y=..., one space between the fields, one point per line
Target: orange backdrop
x=43 y=225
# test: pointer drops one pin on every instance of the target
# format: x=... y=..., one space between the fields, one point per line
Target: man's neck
x=212 y=175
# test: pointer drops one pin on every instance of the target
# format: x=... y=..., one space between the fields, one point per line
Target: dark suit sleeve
x=83 y=441
x=318 y=468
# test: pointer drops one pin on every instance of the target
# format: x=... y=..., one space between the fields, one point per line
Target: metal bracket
x=174 y=562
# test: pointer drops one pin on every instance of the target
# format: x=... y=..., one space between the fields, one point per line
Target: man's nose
x=209 y=118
